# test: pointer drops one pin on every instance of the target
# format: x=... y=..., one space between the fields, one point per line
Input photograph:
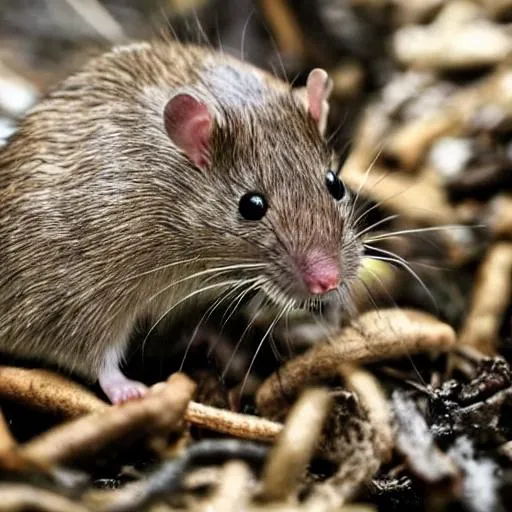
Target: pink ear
x=318 y=88
x=188 y=123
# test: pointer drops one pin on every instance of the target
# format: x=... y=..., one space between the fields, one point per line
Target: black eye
x=334 y=185
x=252 y=206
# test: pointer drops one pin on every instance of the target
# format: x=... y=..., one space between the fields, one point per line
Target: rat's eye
x=334 y=185
x=252 y=206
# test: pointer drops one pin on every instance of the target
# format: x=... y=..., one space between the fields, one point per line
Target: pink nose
x=320 y=272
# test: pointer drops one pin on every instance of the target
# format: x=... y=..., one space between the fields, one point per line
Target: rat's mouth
x=294 y=298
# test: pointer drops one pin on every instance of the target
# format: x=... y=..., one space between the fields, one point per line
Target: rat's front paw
x=115 y=384
x=125 y=390
x=118 y=388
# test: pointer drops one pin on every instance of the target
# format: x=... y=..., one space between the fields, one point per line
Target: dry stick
x=238 y=425
x=372 y=396
x=48 y=391
x=294 y=449
x=500 y=218
x=232 y=494
x=14 y=497
x=284 y=26
x=491 y=296
x=159 y=412
x=381 y=334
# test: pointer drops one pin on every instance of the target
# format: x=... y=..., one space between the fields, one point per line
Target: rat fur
x=108 y=202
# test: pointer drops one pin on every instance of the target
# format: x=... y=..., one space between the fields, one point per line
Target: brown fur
x=93 y=193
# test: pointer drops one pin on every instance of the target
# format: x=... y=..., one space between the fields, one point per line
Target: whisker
x=206 y=317
x=215 y=270
x=189 y=296
x=347 y=301
x=380 y=203
x=336 y=131
x=370 y=295
x=389 y=218
x=157 y=269
x=421 y=230
x=260 y=344
x=255 y=285
x=363 y=182
x=379 y=280
x=242 y=336
x=275 y=48
x=168 y=23
x=201 y=32
x=244 y=33
x=240 y=297
x=401 y=262
x=176 y=263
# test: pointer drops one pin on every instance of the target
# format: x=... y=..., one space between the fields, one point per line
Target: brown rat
x=159 y=174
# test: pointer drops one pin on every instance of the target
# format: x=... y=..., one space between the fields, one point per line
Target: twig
x=490 y=299
x=290 y=456
x=376 y=335
x=20 y=497
x=48 y=392
x=239 y=425
x=158 y=412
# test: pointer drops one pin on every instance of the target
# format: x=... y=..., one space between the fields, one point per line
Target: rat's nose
x=320 y=272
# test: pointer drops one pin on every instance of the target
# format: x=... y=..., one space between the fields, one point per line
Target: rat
x=158 y=174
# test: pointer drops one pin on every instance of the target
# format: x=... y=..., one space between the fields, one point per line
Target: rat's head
x=268 y=191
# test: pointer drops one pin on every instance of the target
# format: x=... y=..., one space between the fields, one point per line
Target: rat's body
x=139 y=162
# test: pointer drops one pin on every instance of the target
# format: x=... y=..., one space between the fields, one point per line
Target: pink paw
x=122 y=391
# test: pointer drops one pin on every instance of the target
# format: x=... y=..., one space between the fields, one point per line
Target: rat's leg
x=114 y=383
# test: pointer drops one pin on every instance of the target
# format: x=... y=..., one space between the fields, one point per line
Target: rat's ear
x=189 y=123
x=316 y=95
